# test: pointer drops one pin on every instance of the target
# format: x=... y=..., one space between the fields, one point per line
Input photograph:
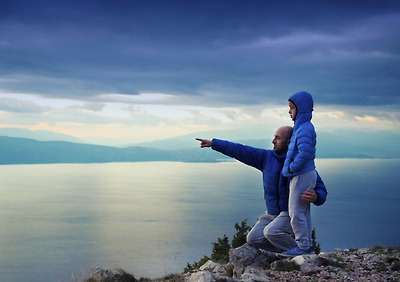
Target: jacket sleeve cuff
x=216 y=144
x=285 y=172
x=321 y=198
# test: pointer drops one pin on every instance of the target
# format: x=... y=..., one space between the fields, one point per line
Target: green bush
x=221 y=249
x=121 y=276
x=316 y=246
x=395 y=266
x=381 y=267
x=286 y=266
x=220 y=252
x=241 y=232
x=196 y=264
x=173 y=277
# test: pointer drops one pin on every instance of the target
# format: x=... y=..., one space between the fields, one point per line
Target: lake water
x=58 y=221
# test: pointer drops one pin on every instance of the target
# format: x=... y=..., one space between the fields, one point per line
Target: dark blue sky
x=213 y=54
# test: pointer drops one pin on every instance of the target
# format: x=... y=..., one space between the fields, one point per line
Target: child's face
x=292 y=110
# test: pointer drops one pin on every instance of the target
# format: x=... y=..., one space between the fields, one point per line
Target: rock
x=308 y=263
x=213 y=267
x=246 y=258
x=305 y=260
x=251 y=264
x=254 y=275
x=100 y=274
x=201 y=276
x=207 y=276
x=242 y=257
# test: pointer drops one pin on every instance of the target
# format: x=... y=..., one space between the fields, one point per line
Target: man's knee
x=268 y=232
x=272 y=232
x=254 y=237
x=250 y=238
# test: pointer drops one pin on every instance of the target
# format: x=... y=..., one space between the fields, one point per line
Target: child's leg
x=312 y=179
x=300 y=216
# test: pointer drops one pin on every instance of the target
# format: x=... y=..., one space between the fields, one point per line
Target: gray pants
x=272 y=233
x=300 y=215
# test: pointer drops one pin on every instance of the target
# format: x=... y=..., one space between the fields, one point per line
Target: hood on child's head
x=303 y=101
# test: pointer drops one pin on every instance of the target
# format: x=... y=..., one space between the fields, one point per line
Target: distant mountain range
x=19 y=150
x=40 y=135
x=15 y=150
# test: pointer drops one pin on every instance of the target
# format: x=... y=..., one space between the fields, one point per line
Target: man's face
x=280 y=141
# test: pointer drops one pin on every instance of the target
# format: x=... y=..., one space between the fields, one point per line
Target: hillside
x=28 y=151
x=249 y=264
x=17 y=150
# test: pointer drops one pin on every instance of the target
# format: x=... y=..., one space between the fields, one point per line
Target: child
x=299 y=167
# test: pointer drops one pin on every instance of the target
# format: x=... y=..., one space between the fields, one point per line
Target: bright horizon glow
x=122 y=122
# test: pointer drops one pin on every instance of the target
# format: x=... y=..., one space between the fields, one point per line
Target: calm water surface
x=152 y=218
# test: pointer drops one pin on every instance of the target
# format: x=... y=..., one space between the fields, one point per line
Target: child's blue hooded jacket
x=301 y=152
x=270 y=163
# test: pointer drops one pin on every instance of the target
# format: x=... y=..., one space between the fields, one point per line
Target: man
x=272 y=231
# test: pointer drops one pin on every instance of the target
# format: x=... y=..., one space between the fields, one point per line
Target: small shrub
x=241 y=232
x=381 y=267
x=286 y=266
x=336 y=263
x=221 y=249
x=229 y=270
x=173 y=277
x=220 y=252
x=395 y=266
x=121 y=276
x=377 y=249
x=91 y=279
x=393 y=249
x=336 y=257
x=316 y=246
x=391 y=260
x=196 y=265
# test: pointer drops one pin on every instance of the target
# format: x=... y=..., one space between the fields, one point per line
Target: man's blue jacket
x=276 y=186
